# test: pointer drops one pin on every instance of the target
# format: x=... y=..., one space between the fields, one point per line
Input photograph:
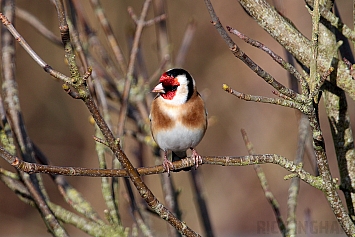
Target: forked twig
x=287 y=66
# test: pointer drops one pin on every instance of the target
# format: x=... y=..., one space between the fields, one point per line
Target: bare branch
x=296 y=170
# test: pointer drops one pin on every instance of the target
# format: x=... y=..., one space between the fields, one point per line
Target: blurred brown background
x=59 y=125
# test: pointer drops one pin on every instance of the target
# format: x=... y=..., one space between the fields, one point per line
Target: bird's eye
x=171 y=88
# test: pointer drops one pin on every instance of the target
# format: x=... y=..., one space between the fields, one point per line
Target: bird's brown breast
x=159 y=119
x=191 y=114
x=195 y=114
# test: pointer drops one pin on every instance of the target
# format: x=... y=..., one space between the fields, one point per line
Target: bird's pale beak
x=159 y=88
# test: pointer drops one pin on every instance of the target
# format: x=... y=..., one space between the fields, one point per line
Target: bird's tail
x=178 y=155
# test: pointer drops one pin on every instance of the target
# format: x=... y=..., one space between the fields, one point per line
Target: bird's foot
x=196 y=157
x=167 y=164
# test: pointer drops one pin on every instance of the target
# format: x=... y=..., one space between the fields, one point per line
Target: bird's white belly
x=178 y=138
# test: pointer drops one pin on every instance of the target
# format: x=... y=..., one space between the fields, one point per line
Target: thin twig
x=105 y=24
x=87 y=226
x=163 y=43
x=319 y=83
x=95 y=44
x=303 y=133
x=131 y=64
x=277 y=101
x=186 y=42
x=37 y=25
x=148 y=22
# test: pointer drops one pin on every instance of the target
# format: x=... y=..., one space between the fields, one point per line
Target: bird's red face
x=167 y=87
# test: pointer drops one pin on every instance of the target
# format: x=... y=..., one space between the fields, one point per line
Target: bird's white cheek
x=180 y=96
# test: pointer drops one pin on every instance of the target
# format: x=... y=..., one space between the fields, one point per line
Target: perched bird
x=178 y=117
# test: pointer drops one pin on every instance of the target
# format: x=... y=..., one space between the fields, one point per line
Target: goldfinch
x=178 y=117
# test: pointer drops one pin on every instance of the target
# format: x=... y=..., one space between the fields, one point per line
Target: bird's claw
x=167 y=164
x=196 y=157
